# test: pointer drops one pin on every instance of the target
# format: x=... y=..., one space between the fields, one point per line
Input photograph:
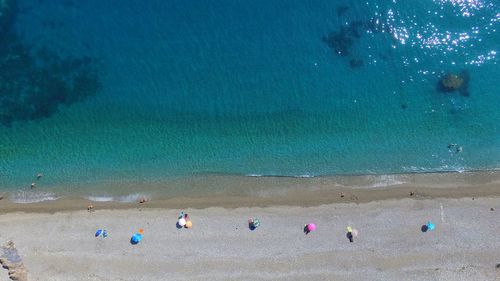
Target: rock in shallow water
x=12 y=261
x=451 y=82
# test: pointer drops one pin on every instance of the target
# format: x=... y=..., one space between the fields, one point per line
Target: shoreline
x=236 y=191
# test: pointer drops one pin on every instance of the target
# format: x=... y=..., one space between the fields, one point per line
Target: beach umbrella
x=98 y=232
x=311 y=227
x=137 y=237
x=189 y=224
x=430 y=225
x=182 y=222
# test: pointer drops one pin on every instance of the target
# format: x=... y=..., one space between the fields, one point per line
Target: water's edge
x=207 y=190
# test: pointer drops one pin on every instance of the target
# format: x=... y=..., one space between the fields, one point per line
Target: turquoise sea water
x=255 y=88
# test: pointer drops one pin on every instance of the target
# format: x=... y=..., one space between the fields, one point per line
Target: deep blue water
x=255 y=88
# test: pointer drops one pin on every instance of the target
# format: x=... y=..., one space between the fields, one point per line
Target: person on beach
x=349 y=234
x=253 y=223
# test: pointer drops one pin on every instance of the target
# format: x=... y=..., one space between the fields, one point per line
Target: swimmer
x=33 y=185
x=39 y=176
x=459 y=149
x=451 y=145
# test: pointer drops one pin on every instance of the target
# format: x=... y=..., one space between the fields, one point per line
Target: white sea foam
x=280 y=176
x=26 y=197
x=132 y=198
x=123 y=199
x=304 y=176
x=443 y=168
x=100 y=198
x=254 y=175
x=387 y=180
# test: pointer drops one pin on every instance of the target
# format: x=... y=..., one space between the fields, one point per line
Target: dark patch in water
x=339 y=42
x=355 y=63
x=341 y=10
x=8 y=11
x=34 y=83
x=451 y=82
x=343 y=40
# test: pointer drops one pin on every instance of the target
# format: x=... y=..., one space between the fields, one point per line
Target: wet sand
x=235 y=191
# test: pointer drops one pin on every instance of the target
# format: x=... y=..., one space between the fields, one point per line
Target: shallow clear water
x=251 y=88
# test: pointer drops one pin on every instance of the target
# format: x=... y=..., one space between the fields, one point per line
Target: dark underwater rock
x=342 y=41
x=34 y=83
x=339 y=42
x=451 y=82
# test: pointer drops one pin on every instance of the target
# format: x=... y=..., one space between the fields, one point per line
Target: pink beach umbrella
x=311 y=227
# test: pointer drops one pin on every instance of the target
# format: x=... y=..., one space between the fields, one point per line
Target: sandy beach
x=382 y=116
x=390 y=245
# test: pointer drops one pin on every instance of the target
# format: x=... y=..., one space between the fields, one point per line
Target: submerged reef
x=343 y=40
x=451 y=82
x=339 y=42
x=34 y=82
x=8 y=10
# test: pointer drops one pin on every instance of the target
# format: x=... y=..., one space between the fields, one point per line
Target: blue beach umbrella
x=430 y=225
x=98 y=232
x=136 y=238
